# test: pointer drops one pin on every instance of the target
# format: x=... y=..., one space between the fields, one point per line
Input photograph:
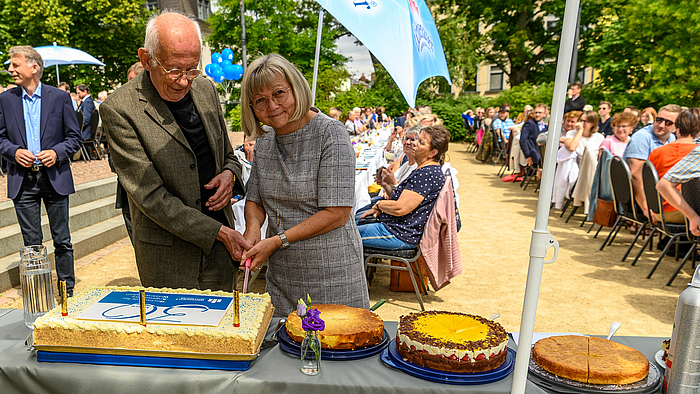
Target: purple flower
x=312 y=321
x=301 y=310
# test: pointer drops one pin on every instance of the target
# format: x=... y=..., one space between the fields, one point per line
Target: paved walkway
x=583 y=291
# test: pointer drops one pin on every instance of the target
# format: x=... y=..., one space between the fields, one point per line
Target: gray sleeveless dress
x=320 y=172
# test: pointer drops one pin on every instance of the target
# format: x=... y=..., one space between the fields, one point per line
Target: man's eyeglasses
x=279 y=96
x=668 y=123
x=176 y=73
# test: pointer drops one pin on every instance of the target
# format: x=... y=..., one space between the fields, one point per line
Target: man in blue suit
x=528 y=135
x=38 y=133
x=87 y=105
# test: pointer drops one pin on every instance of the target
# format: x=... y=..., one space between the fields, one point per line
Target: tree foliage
x=286 y=27
x=110 y=30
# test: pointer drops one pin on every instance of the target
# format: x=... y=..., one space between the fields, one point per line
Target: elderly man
x=38 y=133
x=172 y=154
x=351 y=126
x=643 y=142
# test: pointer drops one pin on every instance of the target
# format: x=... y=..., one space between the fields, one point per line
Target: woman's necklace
x=284 y=173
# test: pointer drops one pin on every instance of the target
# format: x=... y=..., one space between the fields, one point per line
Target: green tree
x=110 y=30
x=519 y=38
x=287 y=27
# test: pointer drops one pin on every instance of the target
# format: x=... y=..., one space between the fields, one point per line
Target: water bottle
x=37 y=288
x=683 y=362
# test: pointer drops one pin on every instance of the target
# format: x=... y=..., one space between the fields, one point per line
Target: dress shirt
x=504 y=126
x=31 y=107
x=687 y=169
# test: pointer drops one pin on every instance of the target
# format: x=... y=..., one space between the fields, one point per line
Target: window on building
x=470 y=83
x=152 y=5
x=496 y=78
x=204 y=7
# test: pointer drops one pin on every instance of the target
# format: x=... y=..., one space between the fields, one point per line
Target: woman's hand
x=579 y=127
x=260 y=252
x=372 y=211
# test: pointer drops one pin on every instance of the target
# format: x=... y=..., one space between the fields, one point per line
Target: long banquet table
x=273 y=371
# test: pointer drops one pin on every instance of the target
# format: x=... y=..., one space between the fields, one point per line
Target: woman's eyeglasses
x=261 y=103
x=668 y=123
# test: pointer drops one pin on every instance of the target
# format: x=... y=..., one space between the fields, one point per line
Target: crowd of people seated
x=668 y=138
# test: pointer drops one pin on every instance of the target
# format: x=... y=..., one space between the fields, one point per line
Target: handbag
x=605 y=213
x=605 y=209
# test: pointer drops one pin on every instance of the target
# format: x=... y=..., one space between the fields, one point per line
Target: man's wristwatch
x=283 y=238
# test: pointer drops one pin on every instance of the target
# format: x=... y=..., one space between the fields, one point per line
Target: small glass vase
x=311 y=353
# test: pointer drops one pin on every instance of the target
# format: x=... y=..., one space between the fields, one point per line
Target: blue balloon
x=218 y=75
x=207 y=69
x=227 y=54
x=214 y=68
x=239 y=72
x=225 y=63
x=216 y=58
x=230 y=72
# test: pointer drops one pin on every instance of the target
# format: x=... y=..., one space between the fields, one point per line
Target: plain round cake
x=451 y=341
x=590 y=360
x=346 y=327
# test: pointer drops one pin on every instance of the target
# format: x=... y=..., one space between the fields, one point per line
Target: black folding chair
x=655 y=205
x=691 y=194
x=473 y=146
x=623 y=199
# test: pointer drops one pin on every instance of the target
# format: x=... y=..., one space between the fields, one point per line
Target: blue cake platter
x=391 y=357
x=288 y=345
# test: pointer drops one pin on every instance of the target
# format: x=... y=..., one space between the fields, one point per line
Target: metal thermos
x=35 y=276
x=683 y=364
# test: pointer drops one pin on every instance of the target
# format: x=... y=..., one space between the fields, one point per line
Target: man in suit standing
x=576 y=102
x=528 y=135
x=86 y=107
x=38 y=133
x=171 y=151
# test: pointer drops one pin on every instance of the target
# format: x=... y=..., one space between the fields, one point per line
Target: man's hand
x=224 y=190
x=47 y=157
x=529 y=161
x=24 y=157
x=234 y=242
x=695 y=225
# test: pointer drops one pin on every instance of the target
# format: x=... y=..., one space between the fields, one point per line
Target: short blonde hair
x=435 y=121
x=31 y=56
x=262 y=74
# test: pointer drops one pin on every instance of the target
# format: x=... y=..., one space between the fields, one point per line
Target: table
x=273 y=371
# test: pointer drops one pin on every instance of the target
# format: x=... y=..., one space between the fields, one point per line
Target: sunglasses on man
x=668 y=123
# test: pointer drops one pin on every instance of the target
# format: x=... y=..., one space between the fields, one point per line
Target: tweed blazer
x=158 y=170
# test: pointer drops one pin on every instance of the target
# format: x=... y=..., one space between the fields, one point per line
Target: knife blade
x=247 y=274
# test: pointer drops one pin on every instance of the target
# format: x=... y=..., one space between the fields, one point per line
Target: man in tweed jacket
x=171 y=151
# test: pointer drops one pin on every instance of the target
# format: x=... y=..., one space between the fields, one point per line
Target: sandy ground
x=583 y=291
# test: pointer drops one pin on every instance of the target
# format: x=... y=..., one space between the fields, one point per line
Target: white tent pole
x=318 y=51
x=58 y=77
x=541 y=238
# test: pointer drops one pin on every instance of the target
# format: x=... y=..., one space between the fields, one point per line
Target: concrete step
x=85 y=241
x=84 y=193
x=81 y=216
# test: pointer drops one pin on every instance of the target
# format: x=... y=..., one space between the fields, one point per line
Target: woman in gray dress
x=303 y=180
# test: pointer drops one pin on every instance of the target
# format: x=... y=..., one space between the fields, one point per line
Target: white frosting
x=447 y=352
x=252 y=310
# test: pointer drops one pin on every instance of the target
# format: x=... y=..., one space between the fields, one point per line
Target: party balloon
x=225 y=63
x=230 y=72
x=218 y=75
x=216 y=58
x=214 y=68
x=239 y=71
x=227 y=54
x=207 y=69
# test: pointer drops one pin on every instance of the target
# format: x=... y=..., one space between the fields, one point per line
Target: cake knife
x=247 y=274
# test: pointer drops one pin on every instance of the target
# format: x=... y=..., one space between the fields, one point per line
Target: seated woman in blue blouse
x=401 y=218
